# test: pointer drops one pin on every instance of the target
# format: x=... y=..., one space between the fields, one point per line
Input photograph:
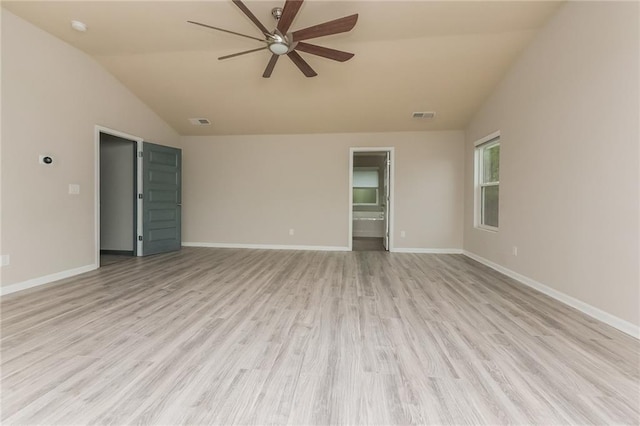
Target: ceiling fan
x=281 y=42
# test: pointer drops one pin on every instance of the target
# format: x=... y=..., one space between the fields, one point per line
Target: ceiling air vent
x=424 y=114
x=200 y=121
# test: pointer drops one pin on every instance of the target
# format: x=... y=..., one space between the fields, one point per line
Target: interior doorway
x=138 y=197
x=117 y=182
x=371 y=199
x=118 y=189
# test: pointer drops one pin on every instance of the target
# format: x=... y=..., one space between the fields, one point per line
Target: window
x=365 y=196
x=488 y=182
x=365 y=186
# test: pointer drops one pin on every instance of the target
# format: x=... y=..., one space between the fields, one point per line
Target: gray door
x=162 y=199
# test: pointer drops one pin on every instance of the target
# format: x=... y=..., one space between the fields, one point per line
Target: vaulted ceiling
x=442 y=56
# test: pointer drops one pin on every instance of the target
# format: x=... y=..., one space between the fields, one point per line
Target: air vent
x=423 y=115
x=200 y=121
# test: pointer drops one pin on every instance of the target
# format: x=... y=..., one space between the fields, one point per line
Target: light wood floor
x=110 y=259
x=222 y=336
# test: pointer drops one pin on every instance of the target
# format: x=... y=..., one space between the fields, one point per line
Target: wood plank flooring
x=109 y=259
x=224 y=336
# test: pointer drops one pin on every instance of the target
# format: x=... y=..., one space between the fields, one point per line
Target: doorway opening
x=116 y=197
x=371 y=199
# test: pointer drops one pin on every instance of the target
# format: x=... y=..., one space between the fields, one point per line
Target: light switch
x=74 y=189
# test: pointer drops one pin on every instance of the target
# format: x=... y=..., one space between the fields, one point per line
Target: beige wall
x=52 y=97
x=253 y=189
x=568 y=112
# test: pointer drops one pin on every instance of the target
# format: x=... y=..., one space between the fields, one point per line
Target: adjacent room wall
x=568 y=112
x=117 y=182
x=252 y=189
x=53 y=95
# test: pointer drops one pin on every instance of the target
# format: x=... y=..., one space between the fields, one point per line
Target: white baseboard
x=35 y=282
x=427 y=250
x=318 y=248
x=265 y=246
x=592 y=311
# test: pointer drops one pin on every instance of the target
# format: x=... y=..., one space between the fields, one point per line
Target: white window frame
x=377 y=188
x=480 y=145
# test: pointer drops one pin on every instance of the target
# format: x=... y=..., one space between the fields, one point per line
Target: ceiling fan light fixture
x=278 y=48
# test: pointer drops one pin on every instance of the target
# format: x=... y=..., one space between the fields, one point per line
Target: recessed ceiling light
x=79 y=26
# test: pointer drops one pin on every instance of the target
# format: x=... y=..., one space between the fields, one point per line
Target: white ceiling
x=443 y=56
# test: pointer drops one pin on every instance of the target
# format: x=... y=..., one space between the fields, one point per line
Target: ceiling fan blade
x=289 y=12
x=302 y=64
x=270 y=66
x=251 y=16
x=242 y=53
x=340 y=25
x=227 y=31
x=325 y=52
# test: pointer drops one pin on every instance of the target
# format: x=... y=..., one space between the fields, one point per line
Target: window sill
x=487 y=228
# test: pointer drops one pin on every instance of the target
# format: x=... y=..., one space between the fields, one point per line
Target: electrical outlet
x=4 y=260
x=291 y=231
x=514 y=250
x=403 y=234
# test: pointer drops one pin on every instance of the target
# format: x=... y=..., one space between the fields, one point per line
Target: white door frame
x=392 y=178
x=138 y=141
